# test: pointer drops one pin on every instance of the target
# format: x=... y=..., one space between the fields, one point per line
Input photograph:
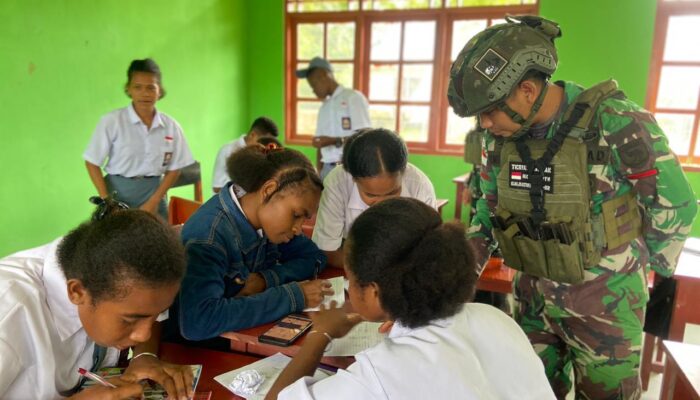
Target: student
x=245 y=251
x=344 y=110
x=77 y=301
x=405 y=265
x=262 y=127
x=375 y=168
x=144 y=148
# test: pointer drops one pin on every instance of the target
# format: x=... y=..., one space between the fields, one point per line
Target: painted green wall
x=63 y=65
x=602 y=39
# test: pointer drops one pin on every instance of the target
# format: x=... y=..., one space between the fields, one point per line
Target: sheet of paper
x=363 y=336
x=338 y=287
x=270 y=367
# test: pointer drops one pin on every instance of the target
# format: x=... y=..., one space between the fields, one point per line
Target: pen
x=94 y=377
x=317 y=268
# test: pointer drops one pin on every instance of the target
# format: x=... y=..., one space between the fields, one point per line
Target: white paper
x=338 y=286
x=363 y=336
x=270 y=367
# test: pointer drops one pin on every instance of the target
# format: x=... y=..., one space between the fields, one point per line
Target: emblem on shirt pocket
x=345 y=123
x=166 y=158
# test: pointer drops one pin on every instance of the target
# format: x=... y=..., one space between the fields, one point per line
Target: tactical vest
x=548 y=231
x=472 y=147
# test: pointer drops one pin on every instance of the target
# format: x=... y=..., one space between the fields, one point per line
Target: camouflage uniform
x=595 y=326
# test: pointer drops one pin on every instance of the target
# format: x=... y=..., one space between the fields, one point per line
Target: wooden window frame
x=444 y=18
x=666 y=10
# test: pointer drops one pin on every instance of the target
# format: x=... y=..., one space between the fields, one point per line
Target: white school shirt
x=478 y=354
x=341 y=203
x=131 y=149
x=341 y=114
x=221 y=177
x=42 y=341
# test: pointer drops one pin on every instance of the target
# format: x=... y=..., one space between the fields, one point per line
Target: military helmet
x=496 y=59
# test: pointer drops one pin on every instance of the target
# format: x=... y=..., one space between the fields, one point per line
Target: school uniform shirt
x=42 y=341
x=131 y=149
x=478 y=354
x=341 y=203
x=220 y=175
x=341 y=114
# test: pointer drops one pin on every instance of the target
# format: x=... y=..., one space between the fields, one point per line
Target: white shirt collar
x=135 y=119
x=399 y=330
x=234 y=196
x=337 y=91
x=64 y=313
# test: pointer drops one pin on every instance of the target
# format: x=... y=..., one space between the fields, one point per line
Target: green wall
x=63 y=65
x=602 y=39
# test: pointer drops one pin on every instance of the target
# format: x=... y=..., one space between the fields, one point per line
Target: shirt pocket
x=167 y=149
x=345 y=119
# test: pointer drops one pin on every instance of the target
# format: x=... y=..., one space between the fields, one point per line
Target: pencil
x=94 y=377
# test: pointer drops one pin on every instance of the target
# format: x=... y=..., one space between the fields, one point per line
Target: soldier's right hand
x=314 y=291
x=124 y=390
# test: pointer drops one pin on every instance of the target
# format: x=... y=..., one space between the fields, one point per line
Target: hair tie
x=270 y=148
x=105 y=206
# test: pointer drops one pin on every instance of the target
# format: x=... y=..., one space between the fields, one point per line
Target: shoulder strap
x=591 y=98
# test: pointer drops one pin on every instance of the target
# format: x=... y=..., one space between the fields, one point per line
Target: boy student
x=344 y=111
x=404 y=265
x=262 y=127
x=76 y=302
x=143 y=147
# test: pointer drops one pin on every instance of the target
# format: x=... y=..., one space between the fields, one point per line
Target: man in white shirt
x=262 y=127
x=343 y=112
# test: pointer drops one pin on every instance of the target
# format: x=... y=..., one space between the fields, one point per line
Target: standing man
x=566 y=174
x=343 y=112
x=262 y=127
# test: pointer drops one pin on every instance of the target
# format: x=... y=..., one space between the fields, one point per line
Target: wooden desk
x=440 y=204
x=214 y=363
x=460 y=182
x=682 y=373
x=687 y=297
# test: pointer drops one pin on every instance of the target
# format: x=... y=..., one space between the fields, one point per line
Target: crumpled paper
x=246 y=383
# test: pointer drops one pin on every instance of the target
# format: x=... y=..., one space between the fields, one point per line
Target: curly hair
x=252 y=166
x=118 y=247
x=370 y=152
x=424 y=268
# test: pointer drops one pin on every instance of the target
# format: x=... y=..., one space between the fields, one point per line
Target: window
x=674 y=82
x=397 y=52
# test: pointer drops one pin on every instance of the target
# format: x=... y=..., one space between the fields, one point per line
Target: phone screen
x=288 y=328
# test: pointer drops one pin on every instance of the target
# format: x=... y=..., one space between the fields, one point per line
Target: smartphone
x=286 y=330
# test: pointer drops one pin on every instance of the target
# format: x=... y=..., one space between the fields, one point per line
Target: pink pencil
x=94 y=377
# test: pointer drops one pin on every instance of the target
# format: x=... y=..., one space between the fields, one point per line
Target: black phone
x=286 y=330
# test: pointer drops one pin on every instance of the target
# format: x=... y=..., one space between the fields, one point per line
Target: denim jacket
x=222 y=248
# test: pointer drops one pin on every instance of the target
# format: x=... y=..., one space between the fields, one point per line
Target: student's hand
x=123 y=390
x=175 y=379
x=253 y=285
x=151 y=206
x=314 y=291
x=334 y=321
x=323 y=141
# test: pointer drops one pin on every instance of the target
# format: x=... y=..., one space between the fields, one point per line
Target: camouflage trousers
x=603 y=349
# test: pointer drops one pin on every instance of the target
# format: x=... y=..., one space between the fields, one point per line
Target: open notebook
x=152 y=391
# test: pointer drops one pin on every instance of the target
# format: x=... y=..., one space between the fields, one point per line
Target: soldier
x=566 y=174
x=472 y=155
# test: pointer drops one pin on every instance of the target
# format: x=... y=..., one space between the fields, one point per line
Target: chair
x=180 y=210
x=191 y=175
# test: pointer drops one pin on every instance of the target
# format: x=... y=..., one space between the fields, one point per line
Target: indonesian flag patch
x=519 y=178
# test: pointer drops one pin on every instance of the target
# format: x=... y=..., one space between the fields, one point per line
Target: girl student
x=248 y=263
x=143 y=147
x=375 y=167
x=405 y=265
x=77 y=301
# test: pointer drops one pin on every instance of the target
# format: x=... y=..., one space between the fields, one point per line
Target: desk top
x=214 y=363
x=687 y=356
x=688 y=265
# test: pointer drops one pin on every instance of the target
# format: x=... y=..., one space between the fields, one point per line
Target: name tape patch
x=519 y=177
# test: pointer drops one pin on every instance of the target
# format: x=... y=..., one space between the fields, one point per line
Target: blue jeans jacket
x=222 y=246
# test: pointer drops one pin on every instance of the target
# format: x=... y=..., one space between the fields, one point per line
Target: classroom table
x=214 y=363
x=682 y=373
